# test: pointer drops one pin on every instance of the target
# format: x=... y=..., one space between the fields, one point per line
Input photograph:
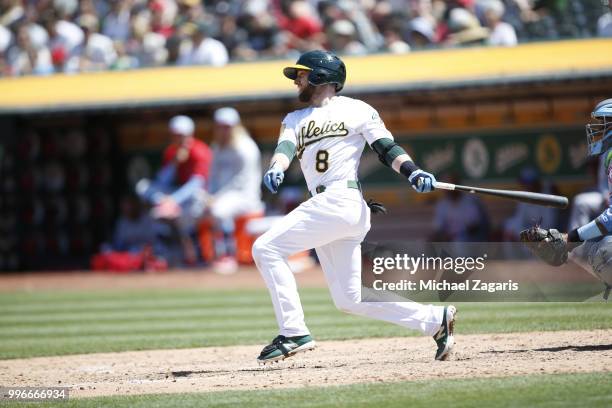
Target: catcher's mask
x=599 y=130
x=324 y=68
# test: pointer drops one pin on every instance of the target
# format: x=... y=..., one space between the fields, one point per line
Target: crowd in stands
x=67 y=36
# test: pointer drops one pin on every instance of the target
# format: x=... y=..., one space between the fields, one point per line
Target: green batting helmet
x=325 y=68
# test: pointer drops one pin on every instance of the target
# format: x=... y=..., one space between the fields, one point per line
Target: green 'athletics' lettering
x=311 y=133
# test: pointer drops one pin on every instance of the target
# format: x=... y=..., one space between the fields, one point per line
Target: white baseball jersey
x=330 y=139
x=234 y=179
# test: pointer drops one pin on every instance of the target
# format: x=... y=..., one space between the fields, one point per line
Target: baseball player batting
x=328 y=138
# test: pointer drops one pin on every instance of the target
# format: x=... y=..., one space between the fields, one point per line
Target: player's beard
x=306 y=94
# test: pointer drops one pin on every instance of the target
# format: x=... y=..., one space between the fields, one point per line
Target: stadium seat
x=528 y=112
x=206 y=239
x=244 y=240
x=453 y=116
x=571 y=110
x=414 y=118
x=491 y=114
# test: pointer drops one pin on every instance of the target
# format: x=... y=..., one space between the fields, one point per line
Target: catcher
x=590 y=245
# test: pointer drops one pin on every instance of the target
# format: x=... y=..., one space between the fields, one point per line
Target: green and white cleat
x=444 y=337
x=283 y=347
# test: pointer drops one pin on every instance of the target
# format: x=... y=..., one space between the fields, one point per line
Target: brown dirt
x=332 y=363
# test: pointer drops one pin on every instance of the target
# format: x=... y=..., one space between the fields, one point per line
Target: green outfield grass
x=562 y=390
x=44 y=324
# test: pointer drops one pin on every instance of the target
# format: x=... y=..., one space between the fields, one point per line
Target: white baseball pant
x=335 y=223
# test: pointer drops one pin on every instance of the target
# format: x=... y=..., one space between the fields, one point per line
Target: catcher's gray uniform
x=595 y=252
x=596 y=258
x=595 y=255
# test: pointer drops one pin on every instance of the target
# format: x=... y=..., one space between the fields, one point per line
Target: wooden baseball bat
x=548 y=200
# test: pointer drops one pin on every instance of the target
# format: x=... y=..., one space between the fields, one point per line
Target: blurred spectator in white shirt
x=424 y=10
x=116 y=25
x=394 y=42
x=65 y=8
x=204 y=50
x=97 y=51
x=38 y=35
x=604 y=24
x=25 y=59
x=341 y=38
x=153 y=51
x=234 y=181
x=502 y=33
x=366 y=32
x=70 y=35
x=12 y=11
x=420 y=33
x=5 y=39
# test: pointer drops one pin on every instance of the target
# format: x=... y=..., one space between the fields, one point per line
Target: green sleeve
x=287 y=148
x=387 y=150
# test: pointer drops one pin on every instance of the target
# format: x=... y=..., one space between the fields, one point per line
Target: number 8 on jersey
x=322 y=164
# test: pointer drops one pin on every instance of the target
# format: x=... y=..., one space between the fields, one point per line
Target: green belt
x=349 y=184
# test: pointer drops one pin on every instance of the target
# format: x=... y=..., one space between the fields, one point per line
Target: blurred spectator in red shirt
x=191 y=156
x=177 y=193
x=298 y=18
x=161 y=19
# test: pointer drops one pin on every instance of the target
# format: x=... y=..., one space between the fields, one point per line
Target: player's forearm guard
x=387 y=150
x=287 y=148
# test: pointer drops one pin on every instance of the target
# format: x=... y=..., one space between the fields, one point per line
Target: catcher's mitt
x=548 y=245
